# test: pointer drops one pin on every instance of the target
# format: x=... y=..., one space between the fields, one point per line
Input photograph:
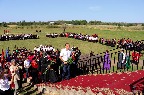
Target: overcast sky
x=51 y=10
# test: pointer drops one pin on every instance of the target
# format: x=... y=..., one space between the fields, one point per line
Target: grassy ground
x=85 y=47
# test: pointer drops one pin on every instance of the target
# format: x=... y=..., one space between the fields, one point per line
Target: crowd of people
x=108 y=42
x=80 y=36
x=129 y=44
x=124 y=43
x=47 y=64
x=43 y=64
x=52 y=35
x=6 y=37
x=90 y=38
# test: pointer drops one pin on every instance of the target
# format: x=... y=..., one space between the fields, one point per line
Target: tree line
x=73 y=22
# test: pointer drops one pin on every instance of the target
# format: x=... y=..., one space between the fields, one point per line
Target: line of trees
x=73 y=22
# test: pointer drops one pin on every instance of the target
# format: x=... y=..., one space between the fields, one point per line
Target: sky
x=130 y=11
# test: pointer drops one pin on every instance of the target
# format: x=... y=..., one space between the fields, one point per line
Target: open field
x=85 y=47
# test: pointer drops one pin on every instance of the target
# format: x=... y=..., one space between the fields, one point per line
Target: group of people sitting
x=108 y=42
x=127 y=44
x=121 y=43
x=92 y=38
x=52 y=35
x=6 y=37
x=43 y=64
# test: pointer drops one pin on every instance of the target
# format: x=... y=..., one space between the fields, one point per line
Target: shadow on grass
x=26 y=85
x=33 y=92
x=28 y=88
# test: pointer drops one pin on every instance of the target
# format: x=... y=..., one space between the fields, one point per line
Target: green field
x=84 y=46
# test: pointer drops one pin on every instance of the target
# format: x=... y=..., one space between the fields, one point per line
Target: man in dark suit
x=121 y=59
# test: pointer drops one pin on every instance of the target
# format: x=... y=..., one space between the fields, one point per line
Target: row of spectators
x=52 y=35
x=108 y=42
x=129 y=44
x=90 y=38
x=124 y=43
x=6 y=37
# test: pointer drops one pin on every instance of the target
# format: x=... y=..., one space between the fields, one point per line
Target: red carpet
x=116 y=82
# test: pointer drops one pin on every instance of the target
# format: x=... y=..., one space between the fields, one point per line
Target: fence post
x=89 y=61
x=84 y=67
x=99 y=64
x=132 y=67
x=96 y=64
x=111 y=55
x=137 y=66
x=114 y=57
x=113 y=68
x=106 y=70
x=143 y=65
x=118 y=60
x=109 y=71
x=79 y=67
x=129 y=53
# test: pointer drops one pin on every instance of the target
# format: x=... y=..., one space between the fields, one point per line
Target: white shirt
x=26 y=64
x=65 y=54
x=35 y=48
x=12 y=68
x=4 y=84
x=124 y=55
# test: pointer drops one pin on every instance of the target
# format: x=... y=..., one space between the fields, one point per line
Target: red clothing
x=135 y=56
x=30 y=57
x=34 y=64
x=67 y=34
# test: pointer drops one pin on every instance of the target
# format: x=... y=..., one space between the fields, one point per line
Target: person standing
x=15 y=73
x=107 y=61
x=4 y=83
x=128 y=62
x=65 y=54
x=34 y=72
x=27 y=66
x=121 y=59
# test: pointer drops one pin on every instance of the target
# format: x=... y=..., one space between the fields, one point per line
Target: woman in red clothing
x=34 y=71
x=136 y=56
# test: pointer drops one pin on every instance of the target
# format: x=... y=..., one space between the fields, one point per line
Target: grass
x=85 y=47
